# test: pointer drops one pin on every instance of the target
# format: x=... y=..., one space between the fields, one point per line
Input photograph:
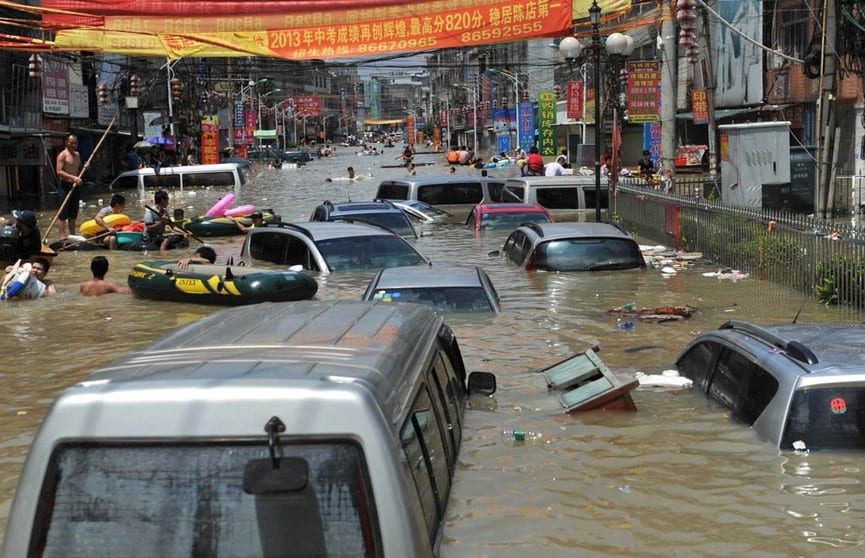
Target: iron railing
x=820 y=257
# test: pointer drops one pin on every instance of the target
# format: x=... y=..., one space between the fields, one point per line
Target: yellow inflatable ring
x=92 y=228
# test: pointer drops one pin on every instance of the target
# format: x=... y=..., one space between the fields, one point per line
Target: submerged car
x=422 y=212
x=380 y=213
x=800 y=386
x=506 y=216
x=573 y=247
x=445 y=288
x=327 y=247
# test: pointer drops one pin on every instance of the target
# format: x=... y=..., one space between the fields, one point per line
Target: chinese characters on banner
x=209 y=139
x=55 y=86
x=241 y=28
x=410 y=128
x=700 y=106
x=527 y=125
x=306 y=106
x=652 y=141
x=575 y=100
x=643 y=86
x=239 y=123
x=251 y=116
x=546 y=121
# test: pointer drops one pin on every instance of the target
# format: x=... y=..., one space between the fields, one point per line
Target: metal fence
x=819 y=257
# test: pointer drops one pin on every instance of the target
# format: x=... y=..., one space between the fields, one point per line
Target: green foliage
x=841 y=280
x=826 y=292
x=773 y=253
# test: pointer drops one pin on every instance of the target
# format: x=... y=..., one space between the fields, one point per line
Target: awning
x=382 y=121
x=721 y=114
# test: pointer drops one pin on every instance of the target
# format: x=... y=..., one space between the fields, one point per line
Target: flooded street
x=676 y=478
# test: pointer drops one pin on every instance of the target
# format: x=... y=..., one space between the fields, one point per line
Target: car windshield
x=593 y=254
x=200 y=500
x=356 y=253
x=428 y=210
x=831 y=417
x=396 y=221
x=444 y=299
x=493 y=221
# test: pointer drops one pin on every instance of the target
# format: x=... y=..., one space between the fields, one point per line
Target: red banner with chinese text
x=299 y=30
x=700 y=106
x=575 y=100
x=209 y=139
x=306 y=106
x=644 y=78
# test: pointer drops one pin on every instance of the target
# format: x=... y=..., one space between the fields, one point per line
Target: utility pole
x=825 y=112
x=669 y=71
x=707 y=70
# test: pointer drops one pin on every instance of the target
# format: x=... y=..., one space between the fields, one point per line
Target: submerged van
x=323 y=428
x=564 y=196
x=232 y=175
x=450 y=193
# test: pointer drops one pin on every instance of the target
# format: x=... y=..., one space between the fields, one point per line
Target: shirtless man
x=68 y=169
x=98 y=285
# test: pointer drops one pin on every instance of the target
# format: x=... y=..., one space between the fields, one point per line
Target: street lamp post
x=244 y=90
x=516 y=81
x=260 y=102
x=618 y=47
x=474 y=93
x=595 y=17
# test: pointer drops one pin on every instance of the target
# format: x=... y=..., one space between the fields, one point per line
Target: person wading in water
x=68 y=169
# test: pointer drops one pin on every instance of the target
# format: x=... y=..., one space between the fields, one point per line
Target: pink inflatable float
x=218 y=210
x=240 y=210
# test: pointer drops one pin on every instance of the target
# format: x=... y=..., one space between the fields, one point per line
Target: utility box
x=755 y=163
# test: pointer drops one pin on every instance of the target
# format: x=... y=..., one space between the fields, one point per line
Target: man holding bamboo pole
x=69 y=172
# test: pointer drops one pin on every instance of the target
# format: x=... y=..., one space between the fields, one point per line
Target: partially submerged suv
x=800 y=386
x=381 y=213
x=302 y=429
x=573 y=247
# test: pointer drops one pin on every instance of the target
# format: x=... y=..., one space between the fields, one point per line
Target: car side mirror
x=482 y=383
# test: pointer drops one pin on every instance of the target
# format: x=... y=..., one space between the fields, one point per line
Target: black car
x=381 y=213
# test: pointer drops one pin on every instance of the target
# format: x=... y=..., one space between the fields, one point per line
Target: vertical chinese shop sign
x=209 y=139
x=527 y=125
x=546 y=122
x=700 y=106
x=643 y=80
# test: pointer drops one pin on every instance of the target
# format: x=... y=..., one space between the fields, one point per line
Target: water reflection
x=674 y=478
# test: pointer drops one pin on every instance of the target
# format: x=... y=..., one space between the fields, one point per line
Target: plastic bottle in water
x=626 y=326
x=629 y=307
x=519 y=436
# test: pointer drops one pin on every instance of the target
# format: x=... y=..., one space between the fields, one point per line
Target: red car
x=500 y=216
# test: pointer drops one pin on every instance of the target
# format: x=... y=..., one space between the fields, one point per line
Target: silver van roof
x=305 y=345
x=310 y=340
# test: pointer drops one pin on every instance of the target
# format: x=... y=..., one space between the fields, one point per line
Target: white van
x=301 y=429
x=562 y=196
x=232 y=175
x=451 y=193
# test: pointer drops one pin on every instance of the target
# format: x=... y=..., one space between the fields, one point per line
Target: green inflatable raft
x=228 y=285
x=224 y=226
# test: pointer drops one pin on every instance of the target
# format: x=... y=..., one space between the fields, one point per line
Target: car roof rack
x=535 y=227
x=292 y=226
x=795 y=349
x=618 y=226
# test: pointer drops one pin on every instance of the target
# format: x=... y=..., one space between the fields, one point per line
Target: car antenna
x=796 y=317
